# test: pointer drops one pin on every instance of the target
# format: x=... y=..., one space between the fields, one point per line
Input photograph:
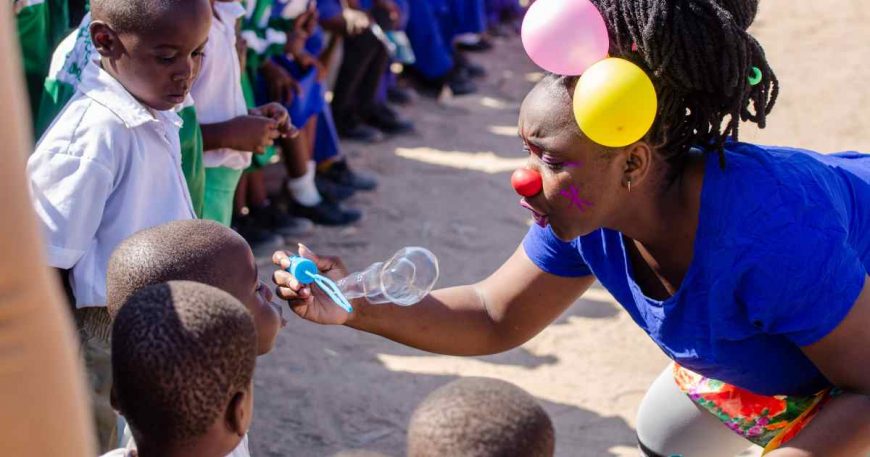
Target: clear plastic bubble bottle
x=405 y=279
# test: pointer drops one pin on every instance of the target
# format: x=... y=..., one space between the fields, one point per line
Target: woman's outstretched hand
x=307 y=300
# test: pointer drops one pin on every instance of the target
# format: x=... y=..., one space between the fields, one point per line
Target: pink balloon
x=564 y=36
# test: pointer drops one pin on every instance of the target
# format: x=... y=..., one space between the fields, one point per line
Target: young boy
x=480 y=417
x=194 y=250
x=71 y=57
x=273 y=40
x=110 y=164
x=183 y=356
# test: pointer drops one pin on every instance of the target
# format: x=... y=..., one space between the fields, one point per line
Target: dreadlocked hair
x=699 y=56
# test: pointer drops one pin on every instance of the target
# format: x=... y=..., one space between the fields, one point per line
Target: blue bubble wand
x=306 y=272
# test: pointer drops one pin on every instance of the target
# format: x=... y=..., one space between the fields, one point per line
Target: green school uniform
x=265 y=38
x=41 y=24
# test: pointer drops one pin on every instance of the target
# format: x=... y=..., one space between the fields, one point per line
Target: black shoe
x=426 y=87
x=331 y=190
x=257 y=237
x=462 y=86
x=341 y=173
x=480 y=46
x=468 y=68
x=326 y=213
x=399 y=95
x=500 y=30
x=279 y=222
x=389 y=121
x=360 y=132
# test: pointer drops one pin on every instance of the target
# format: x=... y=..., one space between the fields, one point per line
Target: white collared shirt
x=218 y=89
x=107 y=168
x=127 y=441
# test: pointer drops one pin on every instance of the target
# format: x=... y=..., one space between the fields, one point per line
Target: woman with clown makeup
x=746 y=264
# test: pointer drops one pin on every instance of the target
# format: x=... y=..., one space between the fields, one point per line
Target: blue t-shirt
x=781 y=254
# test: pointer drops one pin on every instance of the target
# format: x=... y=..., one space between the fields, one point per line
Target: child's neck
x=198 y=447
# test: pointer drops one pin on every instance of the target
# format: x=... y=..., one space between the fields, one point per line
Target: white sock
x=467 y=38
x=303 y=189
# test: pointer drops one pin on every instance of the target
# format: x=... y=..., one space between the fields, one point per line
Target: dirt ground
x=325 y=389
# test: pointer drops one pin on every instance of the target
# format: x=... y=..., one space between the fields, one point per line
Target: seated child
x=194 y=250
x=183 y=356
x=480 y=417
x=110 y=164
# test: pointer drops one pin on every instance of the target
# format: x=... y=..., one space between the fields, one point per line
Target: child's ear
x=105 y=39
x=240 y=412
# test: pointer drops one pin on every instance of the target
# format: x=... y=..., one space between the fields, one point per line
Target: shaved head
x=180 y=352
x=134 y=15
x=480 y=417
x=191 y=250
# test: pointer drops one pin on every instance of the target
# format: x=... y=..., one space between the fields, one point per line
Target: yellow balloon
x=614 y=102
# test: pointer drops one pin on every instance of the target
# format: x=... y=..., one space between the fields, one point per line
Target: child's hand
x=279 y=114
x=252 y=133
x=306 y=61
x=308 y=301
x=357 y=21
x=281 y=86
x=295 y=43
x=392 y=10
x=311 y=17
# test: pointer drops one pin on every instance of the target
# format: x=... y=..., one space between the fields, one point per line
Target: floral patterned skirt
x=766 y=421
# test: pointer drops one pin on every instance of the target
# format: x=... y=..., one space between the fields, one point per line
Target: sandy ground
x=325 y=389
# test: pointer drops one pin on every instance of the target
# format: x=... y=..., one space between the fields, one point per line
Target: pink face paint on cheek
x=573 y=194
x=573 y=164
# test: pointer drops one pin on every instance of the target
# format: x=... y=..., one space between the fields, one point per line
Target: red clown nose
x=526 y=182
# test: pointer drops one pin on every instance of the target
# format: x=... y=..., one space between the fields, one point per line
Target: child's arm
x=242 y=133
x=298 y=32
x=266 y=41
x=281 y=86
x=69 y=192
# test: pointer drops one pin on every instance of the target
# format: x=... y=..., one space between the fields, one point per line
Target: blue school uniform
x=433 y=51
x=466 y=16
x=782 y=251
x=328 y=9
x=326 y=143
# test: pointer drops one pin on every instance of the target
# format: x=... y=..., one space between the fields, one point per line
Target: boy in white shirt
x=110 y=163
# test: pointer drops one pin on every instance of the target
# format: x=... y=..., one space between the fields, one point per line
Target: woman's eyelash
x=552 y=164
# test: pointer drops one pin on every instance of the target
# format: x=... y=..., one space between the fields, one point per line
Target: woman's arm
x=842 y=427
x=499 y=313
